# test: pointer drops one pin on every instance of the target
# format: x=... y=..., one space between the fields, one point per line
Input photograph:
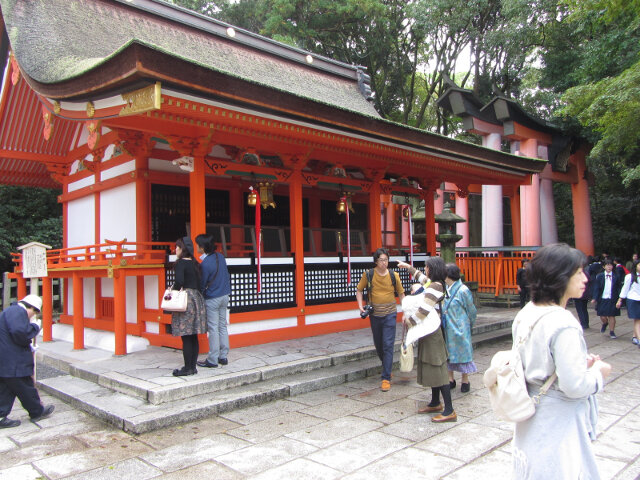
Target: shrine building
x=155 y=122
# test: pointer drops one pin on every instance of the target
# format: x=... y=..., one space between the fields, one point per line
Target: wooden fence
x=9 y=288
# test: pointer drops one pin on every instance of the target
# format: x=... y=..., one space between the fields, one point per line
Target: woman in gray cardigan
x=555 y=442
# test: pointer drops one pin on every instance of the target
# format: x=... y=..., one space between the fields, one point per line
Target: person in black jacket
x=18 y=327
x=605 y=293
x=521 y=282
x=190 y=323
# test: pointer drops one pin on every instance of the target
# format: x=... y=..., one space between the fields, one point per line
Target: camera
x=367 y=310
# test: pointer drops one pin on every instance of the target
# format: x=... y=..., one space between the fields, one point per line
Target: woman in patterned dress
x=190 y=323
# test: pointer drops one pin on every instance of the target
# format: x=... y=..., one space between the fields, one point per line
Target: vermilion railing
x=108 y=254
x=494 y=270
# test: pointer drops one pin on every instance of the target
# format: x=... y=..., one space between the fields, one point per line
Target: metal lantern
x=252 y=199
x=345 y=203
x=341 y=207
x=266 y=195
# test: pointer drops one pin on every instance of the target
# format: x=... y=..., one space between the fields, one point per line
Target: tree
x=28 y=214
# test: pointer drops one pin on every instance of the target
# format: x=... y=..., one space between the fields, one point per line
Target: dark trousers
x=583 y=313
x=384 y=337
x=25 y=390
x=190 y=347
x=524 y=296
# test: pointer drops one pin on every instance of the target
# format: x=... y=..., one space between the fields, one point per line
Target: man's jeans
x=217 y=326
x=384 y=337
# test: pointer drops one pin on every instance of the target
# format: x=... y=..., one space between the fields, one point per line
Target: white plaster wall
x=121 y=169
x=151 y=293
x=118 y=213
x=132 y=300
x=107 y=287
x=85 y=182
x=81 y=222
x=89 y=297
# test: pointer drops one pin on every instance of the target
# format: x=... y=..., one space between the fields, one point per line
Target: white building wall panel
x=85 y=182
x=81 y=222
x=121 y=169
x=118 y=213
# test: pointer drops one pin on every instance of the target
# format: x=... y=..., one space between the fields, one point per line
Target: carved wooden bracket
x=15 y=71
x=136 y=144
x=190 y=146
x=463 y=191
x=48 y=123
x=95 y=131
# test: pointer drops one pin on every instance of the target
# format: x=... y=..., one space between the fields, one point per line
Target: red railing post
x=499 y=273
x=120 y=311
x=78 y=312
x=47 y=308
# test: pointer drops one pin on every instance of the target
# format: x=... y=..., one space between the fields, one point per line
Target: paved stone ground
x=349 y=431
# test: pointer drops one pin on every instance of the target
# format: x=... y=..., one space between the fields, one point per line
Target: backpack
x=507 y=386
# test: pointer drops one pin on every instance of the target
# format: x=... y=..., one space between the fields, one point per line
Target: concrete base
x=98 y=338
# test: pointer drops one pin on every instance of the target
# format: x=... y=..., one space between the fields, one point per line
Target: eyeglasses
x=386 y=260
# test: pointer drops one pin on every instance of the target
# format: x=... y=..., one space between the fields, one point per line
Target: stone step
x=136 y=415
x=137 y=405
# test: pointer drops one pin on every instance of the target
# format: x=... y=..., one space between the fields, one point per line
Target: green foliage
x=28 y=215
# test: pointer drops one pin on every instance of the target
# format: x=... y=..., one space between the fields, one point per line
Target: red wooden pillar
x=119 y=311
x=22 y=287
x=47 y=308
x=297 y=241
x=197 y=199
x=375 y=219
x=583 y=229
x=143 y=192
x=531 y=231
x=78 y=312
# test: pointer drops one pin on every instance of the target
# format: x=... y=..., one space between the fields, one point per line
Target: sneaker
x=6 y=422
x=465 y=387
x=386 y=385
x=634 y=340
x=612 y=334
x=46 y=411
x=223 y=361
x=604 y=327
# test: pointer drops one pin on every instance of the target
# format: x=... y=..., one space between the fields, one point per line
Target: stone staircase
x=111 y=389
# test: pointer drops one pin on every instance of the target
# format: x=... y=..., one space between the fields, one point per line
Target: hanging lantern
x=406 y=212
x=252 y=199
x=341 y=207
x=345 y=203
x=266 y=195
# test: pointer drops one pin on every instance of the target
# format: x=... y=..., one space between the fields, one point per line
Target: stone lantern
x=448 y=236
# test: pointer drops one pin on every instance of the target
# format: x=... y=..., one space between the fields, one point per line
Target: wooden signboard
x=34 y=260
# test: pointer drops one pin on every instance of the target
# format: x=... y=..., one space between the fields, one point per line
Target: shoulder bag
x=174 y=300
x=507 y=385
x=406 y=353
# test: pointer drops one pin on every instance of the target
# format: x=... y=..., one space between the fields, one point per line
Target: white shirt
x=629 y=290
x=608 y=281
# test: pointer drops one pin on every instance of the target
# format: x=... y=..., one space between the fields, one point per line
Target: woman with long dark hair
x=432 y=351
x=190 y=323
x=556 y=441
x=631 y=291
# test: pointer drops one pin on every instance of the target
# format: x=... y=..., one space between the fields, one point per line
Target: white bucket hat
x=33 y=301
